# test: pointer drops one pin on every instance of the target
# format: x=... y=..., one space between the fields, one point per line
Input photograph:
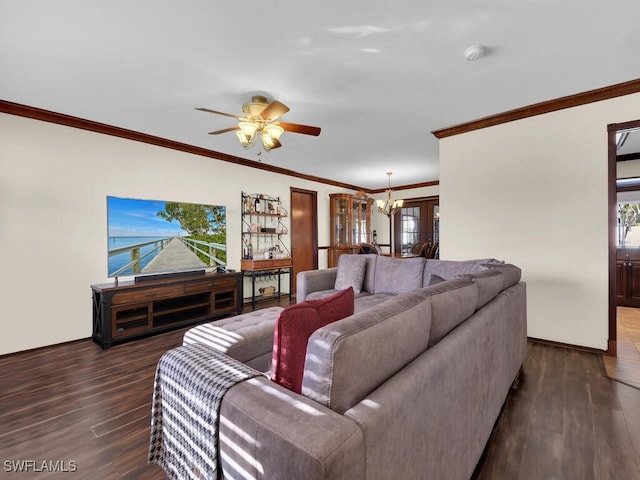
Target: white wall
x=534 y=193
x=54 y=181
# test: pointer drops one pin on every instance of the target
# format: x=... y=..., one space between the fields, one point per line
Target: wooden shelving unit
x=264 y=252
x=131 y=309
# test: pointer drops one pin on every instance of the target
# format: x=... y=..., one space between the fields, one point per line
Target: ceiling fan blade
x=225 y=130
x=218 y=113
x=276 y=143
x=274 y=110
x=297 y=128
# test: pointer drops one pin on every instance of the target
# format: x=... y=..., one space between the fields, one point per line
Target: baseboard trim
x=570 y=346
x=35 y=349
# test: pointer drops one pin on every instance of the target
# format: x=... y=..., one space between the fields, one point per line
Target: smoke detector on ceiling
x=474 y=52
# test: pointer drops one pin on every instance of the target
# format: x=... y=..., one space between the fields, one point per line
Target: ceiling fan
x=259 y=121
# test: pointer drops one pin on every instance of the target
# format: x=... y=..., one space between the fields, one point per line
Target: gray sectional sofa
x=408 y=387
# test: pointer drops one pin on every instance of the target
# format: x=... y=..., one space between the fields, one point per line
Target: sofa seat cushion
x=452 y=302
x=351 y=271
x=398 y=275
x=347 y=360
x=365 y=302
x=293 y=329
x=243 y=337
x=327 y=293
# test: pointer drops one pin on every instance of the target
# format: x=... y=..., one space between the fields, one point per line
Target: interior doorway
x=304 y=232
x=417 y=221
x=623 y=146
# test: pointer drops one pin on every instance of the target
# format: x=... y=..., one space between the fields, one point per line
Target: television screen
x=155 y=236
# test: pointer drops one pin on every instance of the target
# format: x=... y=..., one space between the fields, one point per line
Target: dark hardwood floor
x=565 y=420
x=625 y=366
x=79 y=405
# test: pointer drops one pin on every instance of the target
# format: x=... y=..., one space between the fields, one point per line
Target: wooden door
x=304 y=232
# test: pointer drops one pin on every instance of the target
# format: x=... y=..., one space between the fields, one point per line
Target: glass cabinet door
x=341 y=221
x=359 y=234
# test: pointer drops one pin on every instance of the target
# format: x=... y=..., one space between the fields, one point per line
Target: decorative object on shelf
x=389 y=206
x=259 y=122
x=267 y=291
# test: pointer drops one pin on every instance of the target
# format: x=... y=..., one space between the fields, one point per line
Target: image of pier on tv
x=154 y=236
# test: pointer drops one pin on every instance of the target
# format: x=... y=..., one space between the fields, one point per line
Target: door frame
x=426 y=220
x=612 y=129
x=314 y=226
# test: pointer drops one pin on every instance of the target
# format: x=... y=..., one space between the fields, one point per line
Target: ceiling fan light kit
x=259 y=122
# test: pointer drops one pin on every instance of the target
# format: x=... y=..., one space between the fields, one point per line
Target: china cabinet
x=350 y=223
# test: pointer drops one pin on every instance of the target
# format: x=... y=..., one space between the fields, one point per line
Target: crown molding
x=89 y=125
x=591 y=96
x=402 y=187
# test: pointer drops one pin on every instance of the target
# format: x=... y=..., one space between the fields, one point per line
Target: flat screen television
x=156 y=236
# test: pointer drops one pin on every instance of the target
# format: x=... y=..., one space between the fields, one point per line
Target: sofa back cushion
x=511 y=273
x=398 y=275
x=346 y=360
x=490 y=283
x=370 y=273
x=351 y=270
x=449 y=269
x=452 y=302
x=293 y=329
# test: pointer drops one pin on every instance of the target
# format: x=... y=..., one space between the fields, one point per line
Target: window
x=629 y=224
x=410 y=228
x=417 y=221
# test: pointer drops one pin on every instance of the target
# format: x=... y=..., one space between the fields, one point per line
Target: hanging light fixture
x=270 y=136
x=389 y=206
x=254 y=126
x=247 y=133
x=259 y=121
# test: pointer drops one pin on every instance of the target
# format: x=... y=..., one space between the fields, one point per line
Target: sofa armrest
x=314 y=281
x=267 y=431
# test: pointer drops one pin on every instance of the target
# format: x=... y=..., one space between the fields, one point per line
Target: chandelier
x=389 y=207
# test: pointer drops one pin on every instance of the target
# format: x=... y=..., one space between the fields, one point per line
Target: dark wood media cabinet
x=131 y=309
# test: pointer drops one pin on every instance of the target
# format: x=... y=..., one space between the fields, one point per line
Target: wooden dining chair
x=368 y=248
x=416 y=248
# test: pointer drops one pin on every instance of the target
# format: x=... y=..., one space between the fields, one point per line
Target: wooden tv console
x=125 y=310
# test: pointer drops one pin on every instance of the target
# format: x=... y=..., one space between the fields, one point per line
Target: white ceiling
x=376 y=76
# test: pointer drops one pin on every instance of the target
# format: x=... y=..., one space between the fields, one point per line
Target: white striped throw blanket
x=189 y=385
